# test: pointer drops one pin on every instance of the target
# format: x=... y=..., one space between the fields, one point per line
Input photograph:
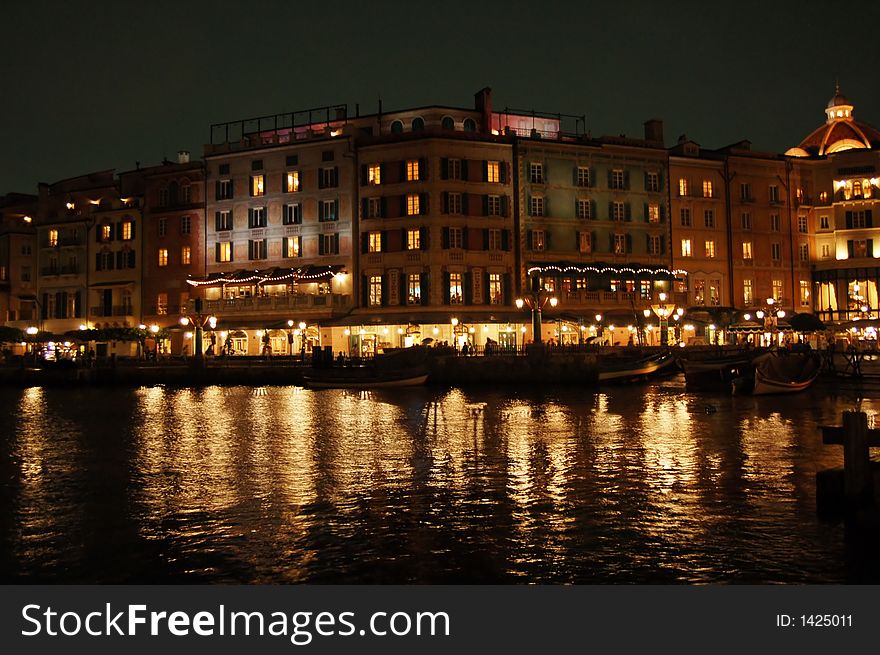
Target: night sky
x=91 y=86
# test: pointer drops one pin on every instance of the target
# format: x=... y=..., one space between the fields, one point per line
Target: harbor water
x=629 y=484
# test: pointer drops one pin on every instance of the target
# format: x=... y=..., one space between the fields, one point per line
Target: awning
x=746 y=326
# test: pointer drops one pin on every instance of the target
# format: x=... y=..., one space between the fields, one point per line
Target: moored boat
x=780 y=373
x=622 y=371
x=363 y=378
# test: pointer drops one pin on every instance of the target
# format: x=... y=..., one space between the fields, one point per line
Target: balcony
x=296 y=302
x=116 y=310
x=59 y=270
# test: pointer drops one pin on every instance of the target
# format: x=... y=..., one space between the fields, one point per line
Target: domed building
x=840 y=132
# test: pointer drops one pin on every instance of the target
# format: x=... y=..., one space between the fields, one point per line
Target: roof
x=841 y=131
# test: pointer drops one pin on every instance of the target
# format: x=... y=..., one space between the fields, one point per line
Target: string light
x=274 y=276
x=604 y=269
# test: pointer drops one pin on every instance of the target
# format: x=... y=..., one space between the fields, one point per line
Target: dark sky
x=89 y=86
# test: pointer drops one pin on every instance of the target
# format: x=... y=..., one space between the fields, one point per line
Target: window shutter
x=321 y=249
x=77 y=304
x=383 y=207
x=662 y=245
x=444 y=168
x=445 y=238
x=468 y=282
x=646 y=180
x=365 y=291
x=485 y=170
x=284 y=248
x=402 y=171
x=465 y=204
x=98 y=262
x=502 y=172
x=423 y=169
x=485 y=239
x=610 y=178
x=849 y=221
x=505 y=240
x=464 y=238
x=217 y=190
x=404 y=242
x=44 y=307
x=423 y=238
x=464 y=169
x=485 y=206
x=629 y=243
x=593 y=242
x=505 y=288
x=250 y=249
x=383 y=238
x=131 y=262
x=870 y=248
x=133 y=229
x=250 y=217
x=364 y=175
x=384 y=293
x=547 y=241
x=424 y=284
x=647 y=218
x=402 y=205
x=365 y=242
x=594 y=210
x=505 y=207
x=611 y=243
x=217 y=252
x=529 y=240
x=217 y=221
x=610 y=211
x=662 y=213
x=648 y=243
x=336 y=243
x=626 y=179
x=850 y=248
x=119 y=256
x=364 y=204
x=627 y=212
x=423 y=203
x=446 y=288
x=336 y=176
x=445 y=196
x=869 y=220
x=574 y=176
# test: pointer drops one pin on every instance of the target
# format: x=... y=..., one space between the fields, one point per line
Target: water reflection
x=631 y=484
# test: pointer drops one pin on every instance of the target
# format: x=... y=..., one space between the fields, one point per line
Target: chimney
x=654 y=130
x=483 y=104
x=183 y=156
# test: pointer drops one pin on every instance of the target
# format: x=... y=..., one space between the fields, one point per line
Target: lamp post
x=302 y=340
x=771 y=317
x=535 y=302
x=600 y=329
x=32 y=333
x=198 y=324
x=663 y=312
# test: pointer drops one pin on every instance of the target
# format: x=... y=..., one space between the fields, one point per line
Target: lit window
x=653 y=213
x=186 y=255
x=619 y=244
x=710 y=249
x=413 y=239
x=805 y=293
x=493 y=171
x=748 y=295
x=776 y=289
x=374 y=242
x=685 y=247
x=682 y=187
x=224 y=251
x=163 y=256
x=455 y=289
x=538 y=240
x=747 y=249
x=708 y=191
x=496 y=294
x=106 y=232
x=126 y=230
x=374 y=174
x=412 y=204
x=292 y=183
x=412 y=170
x=413 y=289
x=585 y=243
x=375 y=288
x=583 y=176
x=256 y=185
x=292 y=246
x=162 y=304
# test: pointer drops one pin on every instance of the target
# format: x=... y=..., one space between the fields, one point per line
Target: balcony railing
x=115 y=310
x=298 y=302
x=59 y=270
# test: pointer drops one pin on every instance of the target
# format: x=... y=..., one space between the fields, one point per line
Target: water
x=281 y=484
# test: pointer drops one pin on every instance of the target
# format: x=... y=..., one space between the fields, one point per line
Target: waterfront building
x=17 y=260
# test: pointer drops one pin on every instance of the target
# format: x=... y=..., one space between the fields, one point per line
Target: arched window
x=172 y=194
x=447 y=123
x=418 y=124
x=470 y=125
x=396 y=127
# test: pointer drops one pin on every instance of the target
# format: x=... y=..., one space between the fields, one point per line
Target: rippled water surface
x=280 y=484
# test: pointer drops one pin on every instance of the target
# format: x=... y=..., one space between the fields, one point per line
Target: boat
x=363 y=377
x=625 y=370
x=779 y=373
x=716 y=371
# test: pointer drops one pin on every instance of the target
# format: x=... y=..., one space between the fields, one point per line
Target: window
x=292 y=182
x=709 y=218
x=823 y=197
x=746 y=220
x=454 y=200
x=618 y=212
x=585 y=243
x=328 y=178
x=162 y=304
x=374 y=174
x=653 y=212
x=257 y=249
x=775 y=252
x=448 y=123
x=826 y=251
x=412 y=204
x=858 y=219
x=584 y=208
x=26 y=249
x=805 y=293
x=774 y=222
x=453 y=169
x=654 y=244
x=162 y=226
x=859 y=248
x=715 y=292
x=455 y=286
x=126 y=230
x=327 y=155
x=747 y=249
x=292 y=246
x=375 y=289
x=223 y=221
x=186 y=255
x=619 y=244
x=163 y=257
x=494 y=239
x=583 y=176
x=748 y=294
x=496 y=295
x=774 y=193
x=374 y=242
x=804 y=252
x=418 y=124
x=413 y=289
x=257 y=185
x=469 y=125
x=685 y=247
x=412 y=170
x=413 y=239
x=536 y=206
x=327 y=210
x=185 y=225
x=776 y=289
x=493 y=206
x=493 y=171
x=617 y=179
x=538 y=240
x=163 y=197
x=374 y=208
x=223 y=169
x=329 y=244
x=536 y=173
x=745 y=191
x=224 y=251
x=653 y=181
x=185 y=193
x=396 y=127
x=257 y=217
x=708 y=191
x=292 y=214
x=699 y=292
x=685 y=215
x=106 y=232
x=456 y=237
x=710 y=250
x=224 y=191
x=824 y=223
x=682 y=186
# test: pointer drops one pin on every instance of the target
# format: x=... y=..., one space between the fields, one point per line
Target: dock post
x=856 y=458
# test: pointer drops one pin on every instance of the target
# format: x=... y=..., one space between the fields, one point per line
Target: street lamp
x=32 y=333
x=199 y=323
x=535 y=301
x=302 y=340
x=663 y=312
x=771 y=317
x=290 y=338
